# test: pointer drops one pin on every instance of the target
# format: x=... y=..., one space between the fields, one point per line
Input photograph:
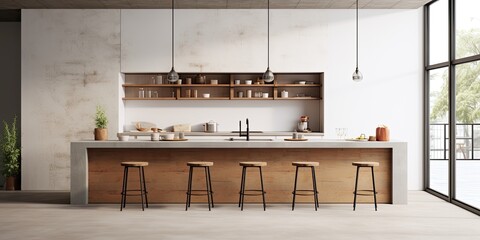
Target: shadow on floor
x=50 y=197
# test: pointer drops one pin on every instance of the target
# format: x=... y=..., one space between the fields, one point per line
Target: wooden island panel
x=167 y=173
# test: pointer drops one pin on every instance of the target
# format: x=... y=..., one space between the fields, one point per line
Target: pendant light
x=172 y=75
x=357 y=75
x=268 y=75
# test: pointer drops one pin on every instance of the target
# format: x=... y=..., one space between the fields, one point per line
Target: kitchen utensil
x=200 y=79
x=168 y=136
x=155 y=136
x=210 y=126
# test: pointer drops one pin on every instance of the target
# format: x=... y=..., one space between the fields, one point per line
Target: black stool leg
x=263 y=192
x=316 y=188
x=189 y=188
x=210 y=184
x=145 y=187
x=314 y=185
x=141 y=187
x=123 y=188
x=208 y=188
x=374 y=190
x=241 y=188
x=355 y=193
x=243 y=184
x=295 y=188
x=126 y=187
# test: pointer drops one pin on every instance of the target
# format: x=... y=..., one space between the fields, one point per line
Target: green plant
x=10 y=149
x=101 y=119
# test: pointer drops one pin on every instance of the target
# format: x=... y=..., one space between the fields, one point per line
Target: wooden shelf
x=161 y=98
x=227 y=89
x=203 y=85
x=201 y=98
x=298 y=98
x=252 y=98
x=297 y=85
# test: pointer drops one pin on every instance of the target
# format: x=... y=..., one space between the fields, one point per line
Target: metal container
x=210 y=127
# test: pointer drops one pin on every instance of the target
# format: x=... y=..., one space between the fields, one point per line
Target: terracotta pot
x=101 y=134
x=10 y=183
x=383 y=133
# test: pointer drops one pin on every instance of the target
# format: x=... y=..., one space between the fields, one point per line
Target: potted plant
x=10 y=154
x=101 y=122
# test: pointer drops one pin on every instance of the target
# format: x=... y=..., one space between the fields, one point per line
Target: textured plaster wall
x=70 y=63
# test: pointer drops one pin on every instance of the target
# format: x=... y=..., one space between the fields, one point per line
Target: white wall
x=390 y=57
x=70 y=63
x=235 y=41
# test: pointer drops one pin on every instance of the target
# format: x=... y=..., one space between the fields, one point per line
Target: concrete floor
x=425 y=217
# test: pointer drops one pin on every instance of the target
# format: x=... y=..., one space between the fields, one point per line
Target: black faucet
x=240 y=130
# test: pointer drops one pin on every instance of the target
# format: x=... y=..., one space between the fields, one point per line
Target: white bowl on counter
x=123 y=138
x=168 y=136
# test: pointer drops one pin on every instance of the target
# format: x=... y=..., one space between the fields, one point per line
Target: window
x=452 y=81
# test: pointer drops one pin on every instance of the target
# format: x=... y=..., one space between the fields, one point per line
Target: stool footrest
x=305 y=192
x=253 y=194
x=365 y=192
x=199 y=194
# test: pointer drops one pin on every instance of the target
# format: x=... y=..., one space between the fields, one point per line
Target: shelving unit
x=226 y=89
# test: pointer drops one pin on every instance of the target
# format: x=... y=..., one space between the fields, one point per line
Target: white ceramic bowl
x=214 y=81
x=123 y=138
x=168 y=136
x=248 y=82
x=206 y=95
x=302 y=82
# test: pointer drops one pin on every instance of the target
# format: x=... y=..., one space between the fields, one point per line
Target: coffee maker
x=302 y=126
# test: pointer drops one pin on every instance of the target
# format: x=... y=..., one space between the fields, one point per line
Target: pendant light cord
x=357 y=34
x=173 y=32
x=268 y=34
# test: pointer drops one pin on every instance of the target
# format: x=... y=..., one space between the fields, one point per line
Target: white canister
x=237 y=81
x=265 y=95
x=155 y=136
x=249 y=93
x=248 y=82
x=284 y=94
x=240 y=94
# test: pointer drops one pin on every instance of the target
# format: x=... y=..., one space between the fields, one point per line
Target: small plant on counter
x=10 y=153
x=101 y=122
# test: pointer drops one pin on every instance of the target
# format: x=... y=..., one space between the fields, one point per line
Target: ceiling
x=210 y=4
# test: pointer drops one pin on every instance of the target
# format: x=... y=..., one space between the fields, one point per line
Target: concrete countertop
x=279 y=143
x=225 y=133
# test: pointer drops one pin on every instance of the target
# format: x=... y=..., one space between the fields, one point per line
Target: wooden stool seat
x=200 y=164
x=134 y=164
x=305 y=164
x=366 y=164
x=253 y=164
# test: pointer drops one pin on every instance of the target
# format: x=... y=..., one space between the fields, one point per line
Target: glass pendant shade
x=172 y=76
x=268 y=76
x=357 y=76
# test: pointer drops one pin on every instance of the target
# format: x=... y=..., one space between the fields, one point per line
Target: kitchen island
x=96 y=174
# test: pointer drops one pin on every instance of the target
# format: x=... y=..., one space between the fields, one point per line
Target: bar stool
x=314 y=191
x=246 y=165
x=208 y=183
x=368 y=192
x=143 y=186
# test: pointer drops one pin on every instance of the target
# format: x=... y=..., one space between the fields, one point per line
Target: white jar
x=249 y=93
x=284 y=94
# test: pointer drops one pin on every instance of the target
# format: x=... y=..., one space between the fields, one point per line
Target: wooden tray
x=295 y=140
x=174 y=140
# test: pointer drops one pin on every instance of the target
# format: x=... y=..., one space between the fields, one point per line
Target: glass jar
x=141 y=93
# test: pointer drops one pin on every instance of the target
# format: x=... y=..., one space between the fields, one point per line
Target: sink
x=251 y=140
x=250 y=131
